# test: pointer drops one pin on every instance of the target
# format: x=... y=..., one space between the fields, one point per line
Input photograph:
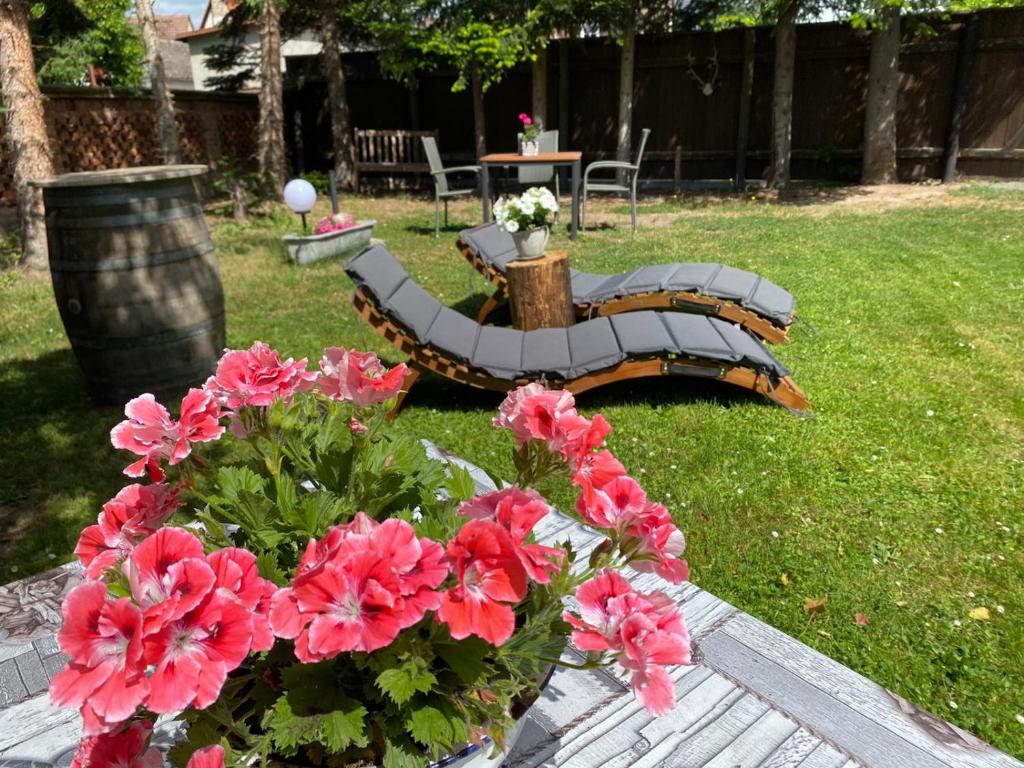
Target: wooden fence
x=695 y=131
x=93 y=129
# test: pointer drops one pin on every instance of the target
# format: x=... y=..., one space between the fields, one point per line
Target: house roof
x=169 y=27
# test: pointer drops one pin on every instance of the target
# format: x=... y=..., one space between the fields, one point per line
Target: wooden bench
x=389 y=152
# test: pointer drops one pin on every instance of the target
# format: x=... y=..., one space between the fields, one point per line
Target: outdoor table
x=752 y=697
x=557 y=159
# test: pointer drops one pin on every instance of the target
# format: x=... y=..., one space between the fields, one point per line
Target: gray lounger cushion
x=564 y=353
x=495 y=247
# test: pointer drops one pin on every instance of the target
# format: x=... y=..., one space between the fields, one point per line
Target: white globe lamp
x=300 y=195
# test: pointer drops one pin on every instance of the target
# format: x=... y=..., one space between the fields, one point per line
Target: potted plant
x=335 y=235
x=528 y=144
x=528 y=218
x=340 y=598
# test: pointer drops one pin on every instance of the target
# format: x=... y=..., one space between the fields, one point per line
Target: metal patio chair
x=612 y=185
x=441 y=189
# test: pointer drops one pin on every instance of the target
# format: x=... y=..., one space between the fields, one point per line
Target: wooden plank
x=24 y=721
x=825 y=756
x=861 y=717
x=752 y=747
x=796 y=751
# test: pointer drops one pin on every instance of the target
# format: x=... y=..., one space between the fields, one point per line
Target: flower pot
x=529 y=148
x=305 y=249
x=530 y=243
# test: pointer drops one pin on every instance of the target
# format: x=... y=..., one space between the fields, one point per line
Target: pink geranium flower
x=525 y=118
x=532 y=412
x=169 y=576
x=490 y=578
x=613 y=504
x=359 y=377
x=597 y=468
x=194 y=653
x=518 y=511
x=150 y=432
x=645 y=632
x=133 y=514
x=207 y=757
x=125 y=748
x=257 y=377
x=235 y=570
x=105 y=676
x=657 y=544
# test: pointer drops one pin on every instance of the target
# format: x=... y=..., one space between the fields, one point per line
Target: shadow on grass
x=446 y=229
x=57 y=466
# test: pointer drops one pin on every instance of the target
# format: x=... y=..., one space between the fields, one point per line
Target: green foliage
x=69 y=35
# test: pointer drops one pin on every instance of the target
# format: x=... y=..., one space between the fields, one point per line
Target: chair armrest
x=616 y=164
x=458 y=169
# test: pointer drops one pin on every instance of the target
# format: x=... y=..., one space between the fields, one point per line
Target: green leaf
x=403 y=755
x=287 y=494
x=341 y=728
x=288 y=730
x=269 y=568
x=460 y=483
x=465 y=657
x=403 y=682
x=233 y=480
x=431 y=727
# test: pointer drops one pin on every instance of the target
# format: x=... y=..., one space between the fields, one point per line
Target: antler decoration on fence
x=707 y=87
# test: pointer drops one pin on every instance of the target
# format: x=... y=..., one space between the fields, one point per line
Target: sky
x=193 y=8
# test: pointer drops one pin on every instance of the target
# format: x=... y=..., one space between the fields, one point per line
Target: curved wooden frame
x=678 y=301
x=423 y=358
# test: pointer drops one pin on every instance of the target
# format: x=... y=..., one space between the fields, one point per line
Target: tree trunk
x=26 y=129
x=961 y=86
x=880 y=112
x=540 y=86
x=782 y=95
x=167 y=128
x=476 y=84
x=626 y=62
x=270 y=145
x=337 y=96
x=564 y=128
x=746 y=91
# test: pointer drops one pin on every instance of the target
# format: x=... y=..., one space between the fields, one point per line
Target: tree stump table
x=540 y=292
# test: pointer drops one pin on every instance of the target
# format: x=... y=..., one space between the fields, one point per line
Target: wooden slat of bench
x=397 y=167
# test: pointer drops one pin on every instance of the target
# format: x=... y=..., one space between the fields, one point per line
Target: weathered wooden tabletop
x=753 y=697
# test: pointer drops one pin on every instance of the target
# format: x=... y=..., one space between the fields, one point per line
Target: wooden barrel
x=135 y=278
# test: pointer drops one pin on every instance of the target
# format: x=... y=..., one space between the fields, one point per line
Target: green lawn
x=901 y=501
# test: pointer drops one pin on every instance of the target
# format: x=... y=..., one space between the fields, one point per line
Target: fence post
x=746 y=90
x=677 y=171
x=961 y=85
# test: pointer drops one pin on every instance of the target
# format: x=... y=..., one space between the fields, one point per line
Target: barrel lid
x=121 y=176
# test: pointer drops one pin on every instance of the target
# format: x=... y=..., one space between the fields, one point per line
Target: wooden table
x=557 y=159
x=753 y=697
x=540 y=292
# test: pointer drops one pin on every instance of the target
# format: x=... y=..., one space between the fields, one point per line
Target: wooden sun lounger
x=694 y=302
x=778 y=386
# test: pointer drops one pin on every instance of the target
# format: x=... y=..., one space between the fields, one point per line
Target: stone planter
x=305 y=249
x=531 y=242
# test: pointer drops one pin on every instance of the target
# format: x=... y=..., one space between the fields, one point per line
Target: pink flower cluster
x=609 y=498
x=190 y=619
x=334 y=223
x=358 y=587
x=150 y=432
x=493 y=561
x=645 y=632
x=129 y=747
x=525 y=119
x=245 y=378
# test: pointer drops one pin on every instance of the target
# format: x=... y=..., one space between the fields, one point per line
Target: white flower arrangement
x=536 y=207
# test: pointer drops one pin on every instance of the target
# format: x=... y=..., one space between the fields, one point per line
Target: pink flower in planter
x=644 y=631
x=490 y=577
x=257 y=377
x=194 y=653
x=657 y=544
x=358 y=377
x=207 y=757
x=235 y=570
x=534 y=413
x=597 y=468
x=334 y=223
x=518 y=511
x=150 y=432
x=169 y=576
x=611 y=505
x=125 y=748
x=106 y=674
x=525 y=118
x=419 y=564
x=134 y=513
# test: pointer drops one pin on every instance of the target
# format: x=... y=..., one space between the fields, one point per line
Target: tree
x=782 y=94
x=167 y=127
x=337 y=95
x=270 y=151
x=26 y=128
x=69 y=36
x=879 y=164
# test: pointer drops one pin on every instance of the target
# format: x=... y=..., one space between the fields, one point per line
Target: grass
x=901 y=501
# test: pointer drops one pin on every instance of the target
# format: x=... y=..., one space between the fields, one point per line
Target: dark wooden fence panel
x=829 y=95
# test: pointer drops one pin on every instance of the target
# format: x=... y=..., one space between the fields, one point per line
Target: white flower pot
x=529 y=148
x=531 y=242
x=305 y=249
